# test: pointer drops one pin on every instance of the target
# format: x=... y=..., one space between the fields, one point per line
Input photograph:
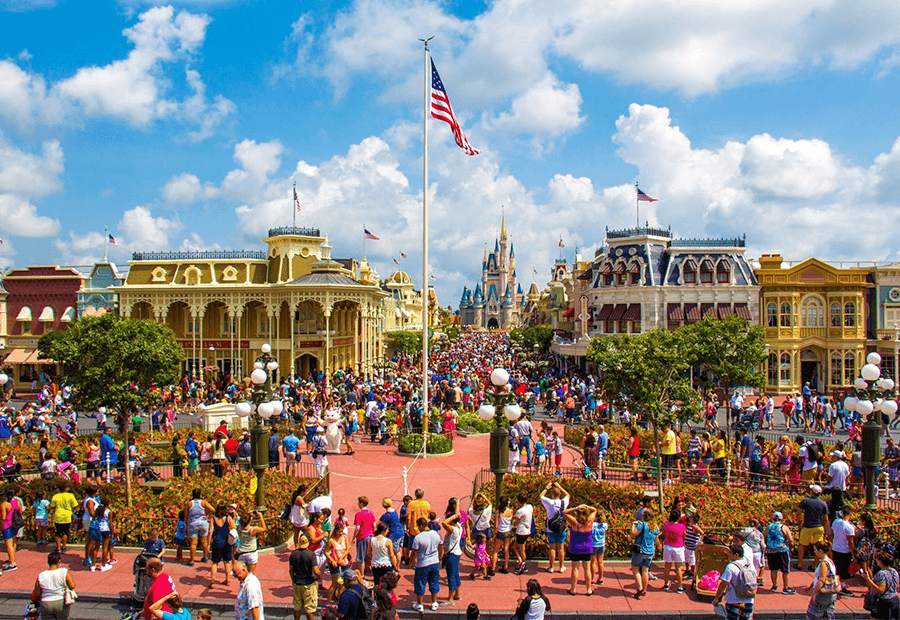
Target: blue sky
x=185 y=125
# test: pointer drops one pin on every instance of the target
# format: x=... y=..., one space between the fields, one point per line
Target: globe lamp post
x=874 y=398
x=262 y=406
x=502 y=404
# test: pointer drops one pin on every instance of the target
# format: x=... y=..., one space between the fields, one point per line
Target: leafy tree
x=647 y=373
x=116 y=363
x=542 y=335
x=405 y=342
x=731 y=351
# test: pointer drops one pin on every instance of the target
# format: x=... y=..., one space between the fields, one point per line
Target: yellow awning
x=46 y=315
x=24 y=314
x=17 y=356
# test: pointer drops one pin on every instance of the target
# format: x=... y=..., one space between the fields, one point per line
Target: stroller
x=143 y=468
x=65 y=434
x=748 y=421
x=142 y=581
x=12 y=473
x=589 y=473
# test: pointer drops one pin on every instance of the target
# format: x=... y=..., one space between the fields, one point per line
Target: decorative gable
x=158 y=275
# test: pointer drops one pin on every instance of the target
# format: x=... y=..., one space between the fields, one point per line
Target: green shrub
x=471 y=421
x=437 y=444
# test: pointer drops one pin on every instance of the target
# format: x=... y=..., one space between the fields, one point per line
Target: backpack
x=775 y=537
x=745 y=583
x=16 y=521
x=368 y=603
x=557 y=523
x=812 y=452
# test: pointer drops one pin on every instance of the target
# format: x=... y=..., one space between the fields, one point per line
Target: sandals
x=571 y=592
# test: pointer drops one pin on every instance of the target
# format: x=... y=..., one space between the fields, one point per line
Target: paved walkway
x=377 y=472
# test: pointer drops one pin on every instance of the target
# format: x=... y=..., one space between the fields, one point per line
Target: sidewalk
x=376 y=471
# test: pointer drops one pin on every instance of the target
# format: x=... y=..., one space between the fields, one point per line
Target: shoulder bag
x=70 y=595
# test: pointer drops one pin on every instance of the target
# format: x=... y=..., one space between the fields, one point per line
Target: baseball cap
x=777 y=515
x=815 y=488
x=348 y=576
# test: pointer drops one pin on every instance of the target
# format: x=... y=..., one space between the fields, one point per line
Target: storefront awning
x=24 y=314
x=68 y=316
x=46 y=315
x=742 y=311
x=618 y=312
x=692 y=312
x=605 y=311
x=17 y=356
x=633 y=313
x=676 y=312
x=569 y=313
x=708 y=310
x=725 y=310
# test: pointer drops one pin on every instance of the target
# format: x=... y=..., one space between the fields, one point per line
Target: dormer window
x=689 y=273
x=723 y=272
x=706 y=272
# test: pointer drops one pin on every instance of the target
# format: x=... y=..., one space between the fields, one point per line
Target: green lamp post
x=502 y=404
x=874 y=398
x=263 y=407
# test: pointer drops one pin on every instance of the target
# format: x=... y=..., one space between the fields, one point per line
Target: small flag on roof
x=369 y=235
x=112 y=240
x=642 y=197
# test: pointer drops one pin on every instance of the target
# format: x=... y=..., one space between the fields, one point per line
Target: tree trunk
x=659 y=468
x=127 y=465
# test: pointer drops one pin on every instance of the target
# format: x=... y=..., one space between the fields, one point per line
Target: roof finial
x=502 y=221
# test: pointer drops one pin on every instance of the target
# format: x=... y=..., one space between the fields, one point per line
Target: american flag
x=642 y=197
x=396 y=262
x=441 y=110
x=296 y=200
x=369 y=235
x=112 y=240
x=403 y=255
x=432 y=277
x=561 y=244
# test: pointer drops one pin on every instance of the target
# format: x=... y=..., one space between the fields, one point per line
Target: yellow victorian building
x=815 y=319
x=315 y=311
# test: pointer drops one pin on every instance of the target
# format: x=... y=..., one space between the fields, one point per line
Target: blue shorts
x=9 y=533
x=556 y=538
x=429 y=575
x=362 y=547
x=98 y=536
x=599 y=552
x=451 y=567
x=641 y=560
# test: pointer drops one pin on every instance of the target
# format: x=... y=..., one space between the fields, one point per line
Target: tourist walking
x=50 y=589
x=380 y=554
x=305 y=574
x=581 y=544
x=249 y=602
x=825 y=585
x=523 y=523
x=160 y=587
x=504 y=536
x=61 y=506
x=337 y=556
x=673 y=532
x=299 y=514
x=882 y=599
x=221 y=544
x=734 y=585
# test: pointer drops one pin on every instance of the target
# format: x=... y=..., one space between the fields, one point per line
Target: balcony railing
x=201 y=255
x=737 y=242
x=294 y=230
x=640 y=231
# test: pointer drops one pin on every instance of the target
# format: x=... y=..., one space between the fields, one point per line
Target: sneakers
x=504 y=571
x=105 y=568
x=789 y=591
x=665 y=587
x=521 y=569
x=114 y=561
x=846 y=592
x=434 y=606
x=6 y=569
x=418 y=607
x=680 y=590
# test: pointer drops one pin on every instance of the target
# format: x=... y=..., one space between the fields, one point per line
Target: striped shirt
x=691 y=538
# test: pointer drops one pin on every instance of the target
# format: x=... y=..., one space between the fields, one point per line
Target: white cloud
x=185 y=189
x=22 y=6
x=24 y=177
x=135 y=89
x=85 y=249
x=140 y=230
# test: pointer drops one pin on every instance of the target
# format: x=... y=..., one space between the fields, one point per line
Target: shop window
x=723 y=273
x=772 y=374
x=835 y=314
x=785 y=369
x=689 y=273
x=849 y=369
x=837 y=373
x=785 y=314
x=812 y=313
x=772 y=315
x=849 y=314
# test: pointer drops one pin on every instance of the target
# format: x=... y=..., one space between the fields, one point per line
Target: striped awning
x=620 y=268
x=634 y=267
x=633 y=313
x=742 y=311
x=676 y=312
x=618 y=312
x=607 y=268
x=725 y=310
x=692 y=312
x=708 y=310
x=603 y=314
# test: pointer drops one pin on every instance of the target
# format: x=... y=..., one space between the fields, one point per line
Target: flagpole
x=637 y=206
x=105 y=242
x=364 y=240
x=294 y=205
x=427 y=105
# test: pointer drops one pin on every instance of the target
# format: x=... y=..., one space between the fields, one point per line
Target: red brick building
x=40 y=299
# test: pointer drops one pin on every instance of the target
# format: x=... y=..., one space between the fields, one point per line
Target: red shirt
x=160 y=587
x=365 y=523
x=231 y=446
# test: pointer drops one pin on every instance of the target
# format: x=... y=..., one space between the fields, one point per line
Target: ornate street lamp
x=263 y=407
x=503 y=404
x=874 y=397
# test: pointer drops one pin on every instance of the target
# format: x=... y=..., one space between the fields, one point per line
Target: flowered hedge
x=151 y=511
x=722 y=509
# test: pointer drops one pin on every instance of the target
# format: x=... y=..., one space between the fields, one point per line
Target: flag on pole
x=441 y=110
x=296 y=200
x=535 y=271
x=403 y=255
x=432 y=277
x=112 y=240
x=561 y=244
x=642 y=197
x=369 y=235
x=1 y=240
x=396 y=262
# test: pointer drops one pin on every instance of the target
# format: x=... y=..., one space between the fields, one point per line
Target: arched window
x=849 y=369
x=706 y=272
x=785 y=369
x=772 y=315
x=689 y=273
x=772 y=377
x=812 y=313
x=849 y=314
x=785 y=314
x=836 y=371
x=835 y=314
x=723 y=273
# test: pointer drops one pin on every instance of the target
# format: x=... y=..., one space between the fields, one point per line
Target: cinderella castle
x=497 y=302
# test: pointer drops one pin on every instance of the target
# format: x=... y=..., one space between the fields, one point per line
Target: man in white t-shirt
x=524 y=431
x=555 y=500
x=809 y=466
x=522 y=522
x=843 y=531
x=735 y=605
x=838 y=471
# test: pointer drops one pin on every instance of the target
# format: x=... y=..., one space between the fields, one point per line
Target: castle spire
x=503 y=224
